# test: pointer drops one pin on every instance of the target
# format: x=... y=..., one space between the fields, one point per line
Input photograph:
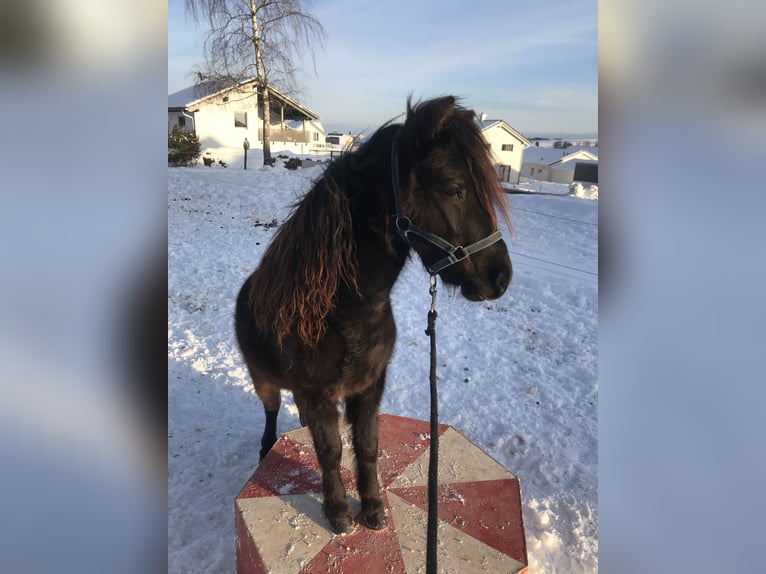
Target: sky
x=533 y=65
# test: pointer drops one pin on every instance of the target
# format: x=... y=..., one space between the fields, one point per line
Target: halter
x=404 y=226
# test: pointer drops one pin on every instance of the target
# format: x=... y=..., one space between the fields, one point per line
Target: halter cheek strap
x=404 y=226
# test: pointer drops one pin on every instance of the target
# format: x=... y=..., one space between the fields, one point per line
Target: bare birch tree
x=256 y=38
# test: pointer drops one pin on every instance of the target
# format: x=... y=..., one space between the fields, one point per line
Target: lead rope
x=433 y=460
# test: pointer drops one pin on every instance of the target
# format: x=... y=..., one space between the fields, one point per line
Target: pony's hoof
x=342 y=525
x=376 y=520
x=340 y=518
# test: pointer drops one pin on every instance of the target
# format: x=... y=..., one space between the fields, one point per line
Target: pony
x=315 y=317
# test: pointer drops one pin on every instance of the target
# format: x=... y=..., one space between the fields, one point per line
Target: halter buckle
x=458 y=254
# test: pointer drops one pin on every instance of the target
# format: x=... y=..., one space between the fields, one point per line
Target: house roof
x=298 y=124
x=197 y=95
x=550 y=155
x=487 y=124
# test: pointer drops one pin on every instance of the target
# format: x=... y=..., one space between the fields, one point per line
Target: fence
x=286 y=136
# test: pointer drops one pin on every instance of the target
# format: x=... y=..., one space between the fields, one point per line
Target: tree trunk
x=263 y=83
x=266 y=126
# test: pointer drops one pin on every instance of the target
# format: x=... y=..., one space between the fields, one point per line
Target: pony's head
x=450 y=189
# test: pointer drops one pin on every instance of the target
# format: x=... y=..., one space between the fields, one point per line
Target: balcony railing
x=286 y=136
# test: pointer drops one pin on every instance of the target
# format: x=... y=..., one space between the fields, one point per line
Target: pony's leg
x=271 y=398
x=321 y=416
x=362 y=413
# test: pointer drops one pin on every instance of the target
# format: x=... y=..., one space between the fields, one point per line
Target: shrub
x=183 y=148
x=293 y=163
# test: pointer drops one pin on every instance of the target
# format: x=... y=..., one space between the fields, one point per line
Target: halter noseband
x=404 y=226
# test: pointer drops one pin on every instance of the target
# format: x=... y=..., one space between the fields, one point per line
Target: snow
x=548 y=155
x=579 y=189
x=518 y=376
x=584 y=190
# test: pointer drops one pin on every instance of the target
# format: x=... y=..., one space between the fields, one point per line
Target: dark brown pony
x=315 y=317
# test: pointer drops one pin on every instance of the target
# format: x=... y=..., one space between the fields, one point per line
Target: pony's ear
x=427 y=119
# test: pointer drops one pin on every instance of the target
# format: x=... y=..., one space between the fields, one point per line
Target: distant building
x=337 y=140
x=311 y=132
x=561 y=165
x=223 y=115
x=506 y=146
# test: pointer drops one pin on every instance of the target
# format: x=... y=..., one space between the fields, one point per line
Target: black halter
x=404 y=226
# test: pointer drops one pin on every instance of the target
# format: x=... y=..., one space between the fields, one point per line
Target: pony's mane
x=311 y=257
x=313 y=254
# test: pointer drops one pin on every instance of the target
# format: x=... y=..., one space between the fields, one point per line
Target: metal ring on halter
x=403 y=224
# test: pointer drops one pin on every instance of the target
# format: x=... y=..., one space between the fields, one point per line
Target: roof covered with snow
x=486 y=124
x=550 y=155
x=196 y=94
x=193 y=94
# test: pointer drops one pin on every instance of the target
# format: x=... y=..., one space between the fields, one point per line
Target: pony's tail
x=313 y=255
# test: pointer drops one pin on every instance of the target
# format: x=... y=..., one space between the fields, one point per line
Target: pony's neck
x=380 y=252
x=378 y=265
x=365 y=177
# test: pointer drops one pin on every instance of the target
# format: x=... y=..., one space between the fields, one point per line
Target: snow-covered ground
x=576 y=189
x=518 y=376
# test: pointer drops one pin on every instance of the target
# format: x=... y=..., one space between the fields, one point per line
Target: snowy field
x=518 y=376
x=576 y=189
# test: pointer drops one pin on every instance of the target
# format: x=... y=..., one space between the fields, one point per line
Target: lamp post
x=246 y=146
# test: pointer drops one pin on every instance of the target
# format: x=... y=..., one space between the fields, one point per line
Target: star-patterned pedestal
x=281 y=529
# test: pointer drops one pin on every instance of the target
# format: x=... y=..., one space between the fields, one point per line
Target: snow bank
x=518 y=376
x=584 y=191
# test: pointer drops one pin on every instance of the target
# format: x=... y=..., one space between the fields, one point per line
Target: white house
x=559 y=165
x=507 y=147
x=305 y=131
x=222 y=116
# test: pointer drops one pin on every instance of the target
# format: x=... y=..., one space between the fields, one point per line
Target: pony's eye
x=454 y=190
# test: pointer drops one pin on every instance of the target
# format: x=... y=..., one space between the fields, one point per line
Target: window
x=182 y=121
x=240 y=119
x=316 y=136
x=507 y=147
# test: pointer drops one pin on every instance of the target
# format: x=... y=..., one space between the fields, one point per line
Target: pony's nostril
x=501 y=282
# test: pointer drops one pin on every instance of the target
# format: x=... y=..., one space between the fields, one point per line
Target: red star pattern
x=281 y=529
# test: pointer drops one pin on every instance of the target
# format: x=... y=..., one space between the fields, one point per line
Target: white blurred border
x=82 y=98
x=682 y=102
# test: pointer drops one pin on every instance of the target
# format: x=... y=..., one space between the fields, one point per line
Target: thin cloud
x=530 y=64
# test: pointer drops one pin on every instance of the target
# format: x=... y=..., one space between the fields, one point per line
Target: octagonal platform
x=280 y=527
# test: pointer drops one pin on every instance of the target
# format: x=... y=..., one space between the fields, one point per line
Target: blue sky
x=533 y=64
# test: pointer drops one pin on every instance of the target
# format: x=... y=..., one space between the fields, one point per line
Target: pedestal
x=281 y=529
